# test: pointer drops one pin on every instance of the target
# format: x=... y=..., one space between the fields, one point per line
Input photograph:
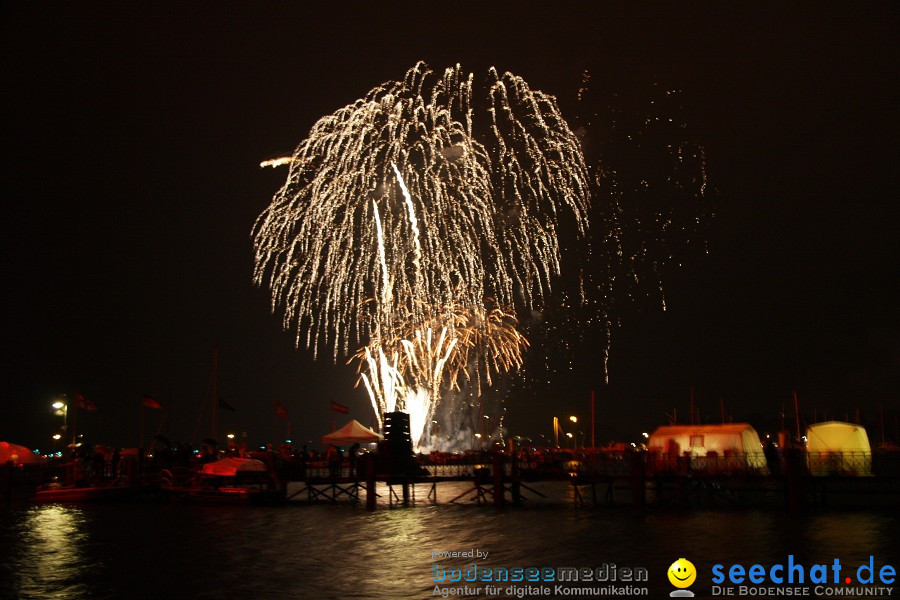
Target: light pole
x=62 y=410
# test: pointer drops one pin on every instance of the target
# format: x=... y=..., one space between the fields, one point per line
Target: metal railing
x=839 y=463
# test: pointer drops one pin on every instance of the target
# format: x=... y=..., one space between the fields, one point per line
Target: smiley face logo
x=682 y=573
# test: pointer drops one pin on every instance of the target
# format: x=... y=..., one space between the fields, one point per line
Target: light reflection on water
x=49 y=556
x=342 y=551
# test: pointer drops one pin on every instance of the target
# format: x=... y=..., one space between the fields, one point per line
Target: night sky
x=132 y=137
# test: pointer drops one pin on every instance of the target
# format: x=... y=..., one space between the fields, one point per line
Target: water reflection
x=51 y=556
x=341 y=551
x=854 y=536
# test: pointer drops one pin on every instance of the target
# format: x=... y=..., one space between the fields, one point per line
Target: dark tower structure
x=395 y=453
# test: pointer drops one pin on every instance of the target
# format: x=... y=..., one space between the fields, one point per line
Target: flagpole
x=692 y=405
x=215 y=394
x=164 y=419
x=75 y=422
x=200 y=416
x=169 y=408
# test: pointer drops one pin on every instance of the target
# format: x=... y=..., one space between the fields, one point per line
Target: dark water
x=164 y=550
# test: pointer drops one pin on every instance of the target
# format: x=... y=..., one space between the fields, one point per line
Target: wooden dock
x=635 y=479
x=589 y=479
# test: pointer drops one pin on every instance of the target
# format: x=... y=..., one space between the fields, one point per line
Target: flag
x=84 y=404
x=339 y=407
x=151 y=402
x=225 y=406
x=280 y=410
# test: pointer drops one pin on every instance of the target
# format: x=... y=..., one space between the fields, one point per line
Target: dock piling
x=370 y=483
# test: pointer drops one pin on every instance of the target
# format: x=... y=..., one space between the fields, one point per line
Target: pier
x=591 y=479
x=639 y=479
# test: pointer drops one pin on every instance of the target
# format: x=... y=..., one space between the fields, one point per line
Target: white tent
x=701 y=439
x=729 y=439
x=352 y=433
x=835 y=448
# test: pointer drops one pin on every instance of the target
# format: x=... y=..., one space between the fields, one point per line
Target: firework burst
x=430 y=191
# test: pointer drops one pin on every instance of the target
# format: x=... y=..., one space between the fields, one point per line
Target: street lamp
x=62 y=410
x=573 y=418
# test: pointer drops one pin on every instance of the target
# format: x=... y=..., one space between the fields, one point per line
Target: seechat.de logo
x=682 y=574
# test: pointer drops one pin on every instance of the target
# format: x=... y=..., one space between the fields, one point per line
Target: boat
x=231 y=479
x=56 y=492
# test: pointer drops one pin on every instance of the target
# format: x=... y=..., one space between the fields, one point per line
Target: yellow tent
x=838 y=448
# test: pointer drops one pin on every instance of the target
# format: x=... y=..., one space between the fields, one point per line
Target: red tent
x=18 y=454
